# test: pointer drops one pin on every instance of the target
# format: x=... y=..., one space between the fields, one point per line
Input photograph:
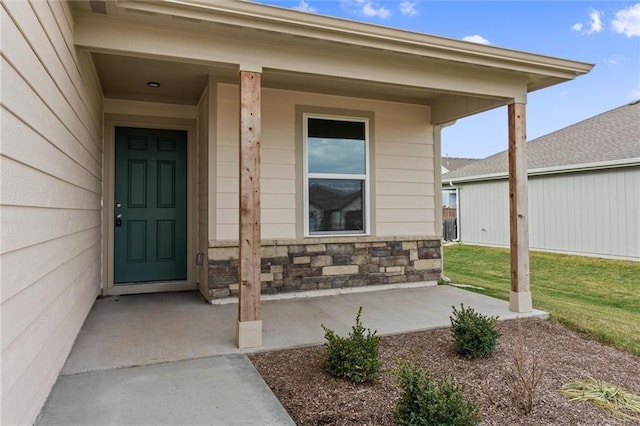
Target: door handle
x=118 y=221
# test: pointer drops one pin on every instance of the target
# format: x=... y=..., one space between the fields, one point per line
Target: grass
x=600 y=297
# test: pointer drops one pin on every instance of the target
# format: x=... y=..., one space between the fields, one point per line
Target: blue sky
x=605 y=33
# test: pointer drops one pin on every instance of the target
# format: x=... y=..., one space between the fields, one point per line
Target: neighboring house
x=450 y=196
x=142 y=141
x=584 y=190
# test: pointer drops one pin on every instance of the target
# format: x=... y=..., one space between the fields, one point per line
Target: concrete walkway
x=170 y=358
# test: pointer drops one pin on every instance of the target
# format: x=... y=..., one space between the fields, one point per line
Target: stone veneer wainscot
x=328 y=263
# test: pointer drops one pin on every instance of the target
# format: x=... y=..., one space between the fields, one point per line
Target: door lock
x=118 y=220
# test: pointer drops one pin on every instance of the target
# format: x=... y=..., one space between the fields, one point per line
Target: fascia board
x=291 y=22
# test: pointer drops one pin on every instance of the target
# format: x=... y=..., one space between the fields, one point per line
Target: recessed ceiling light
x=153 y=84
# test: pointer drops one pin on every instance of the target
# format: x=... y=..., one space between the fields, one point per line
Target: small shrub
x=525 y=373
x=355 y=357
x=425 y=402
x=474 y=334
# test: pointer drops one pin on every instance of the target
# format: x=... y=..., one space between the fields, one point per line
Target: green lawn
x=598 y=296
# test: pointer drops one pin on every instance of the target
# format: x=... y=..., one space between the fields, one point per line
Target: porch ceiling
x=126 y=77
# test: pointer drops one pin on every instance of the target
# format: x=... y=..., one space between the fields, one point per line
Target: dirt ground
x=313 y=397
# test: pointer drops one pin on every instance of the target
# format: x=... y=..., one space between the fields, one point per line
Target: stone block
x=340 y=270
x=396 y=279
x=223 y=253
x=368 y=268
x=301 y=259
x=277 y=269
x=217 y=280
x=342 y=259
x=274 y=251
x=409 y=245
x=376 y=279
x=345 y=248
x=320 y=279
x=309 y=286
x=358 y=282
x=284 y=260
x=394 y=261
x=315 y=248
x=303 y=272
x=266 y=277
x=413 y=254
x=379 y=252
x=292 y=281
x=278 y=276
x=321 y=260
x=429 y=253
x=395 y=270
x=359 y=259
x=295 y=249
x=426 y=264
x=324 y=286
x=218 y=293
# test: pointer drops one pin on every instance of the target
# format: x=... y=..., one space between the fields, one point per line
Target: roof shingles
x=612 y=135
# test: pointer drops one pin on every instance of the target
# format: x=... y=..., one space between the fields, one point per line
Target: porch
x=198 y=373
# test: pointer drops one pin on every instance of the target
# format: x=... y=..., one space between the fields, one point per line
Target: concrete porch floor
x=111 y=376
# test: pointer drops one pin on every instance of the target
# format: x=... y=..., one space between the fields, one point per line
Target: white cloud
x=627 y=21
x=635 y=93
x=366 y=8
x=408 y=8
x=614 y=59
x=476 y=39
x=595 y=23
x=303 y=6
x=563 y=94
x=593 y=26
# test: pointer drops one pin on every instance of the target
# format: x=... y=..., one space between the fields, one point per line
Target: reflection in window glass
x=336 y=205
x=336 y=156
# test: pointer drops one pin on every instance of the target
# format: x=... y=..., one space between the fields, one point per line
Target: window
x=336 y=175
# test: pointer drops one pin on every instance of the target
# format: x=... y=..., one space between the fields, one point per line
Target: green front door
x=150 y=223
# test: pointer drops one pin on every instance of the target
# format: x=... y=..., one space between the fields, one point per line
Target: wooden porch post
x=249 y=321
x=520 y=297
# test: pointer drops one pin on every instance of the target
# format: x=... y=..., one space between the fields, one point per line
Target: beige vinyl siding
x=591 y=213
x=402 y=175
x=51 y=178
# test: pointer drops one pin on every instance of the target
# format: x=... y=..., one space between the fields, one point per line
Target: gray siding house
x=584 y=190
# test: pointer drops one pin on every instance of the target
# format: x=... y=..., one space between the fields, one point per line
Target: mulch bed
x=313 y=397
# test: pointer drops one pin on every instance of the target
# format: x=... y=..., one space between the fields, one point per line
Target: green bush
x=474 y=335
x=355 y=357
x=425 y=402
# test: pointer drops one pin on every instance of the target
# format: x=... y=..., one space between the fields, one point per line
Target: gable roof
x=606 y=140
x=455 y=163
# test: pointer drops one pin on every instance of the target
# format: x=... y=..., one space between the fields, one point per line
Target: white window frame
x=364 y=177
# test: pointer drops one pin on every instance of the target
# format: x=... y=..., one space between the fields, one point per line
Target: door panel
x=150 y=237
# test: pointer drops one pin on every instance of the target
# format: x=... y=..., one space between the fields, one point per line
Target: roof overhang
x=318 y=53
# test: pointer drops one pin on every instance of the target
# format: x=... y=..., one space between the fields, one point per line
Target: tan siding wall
x=403 y=177
x=51 y=174
x=590 y=213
